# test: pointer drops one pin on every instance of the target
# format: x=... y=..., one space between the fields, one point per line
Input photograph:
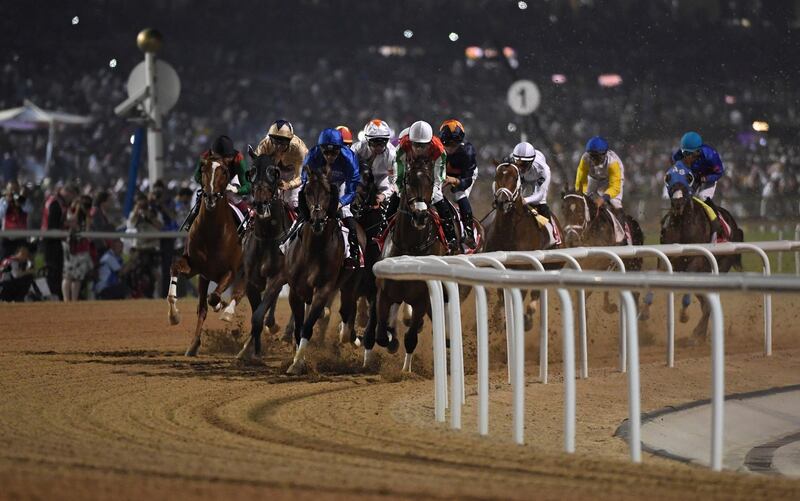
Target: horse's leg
x=269 y=321
x=215 y=298
x=236 y=297
x=377 y=325
x=685 y=301
x=252 y=347
x=362 y=316
x=179 y=265
x=319 y=300
x=202 y=310
x=701 y=330
x=411 y=337
x=644 y=313
x=347 y=310
x=324 y=320
x=531 y=307
x=608 y=306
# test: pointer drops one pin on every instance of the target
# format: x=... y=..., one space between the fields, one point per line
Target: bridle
x=211 y=197
x=512 y=195
x=317 y=224
x=578 y=229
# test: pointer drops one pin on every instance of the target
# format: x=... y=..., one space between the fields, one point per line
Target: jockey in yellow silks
x=601 y=176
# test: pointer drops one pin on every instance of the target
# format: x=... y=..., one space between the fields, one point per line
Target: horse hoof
x=192 y=350
x=174 y=318
x=287 y=337
x=358 y=341
x=297 y=368
x=393 y=346
x=684 y=317
x=527 y=322
x=273 y=329
x=644 y=314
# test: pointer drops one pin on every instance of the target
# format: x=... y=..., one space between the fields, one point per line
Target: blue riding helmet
x=691 y=142
x=597 y=144
x=330 y=137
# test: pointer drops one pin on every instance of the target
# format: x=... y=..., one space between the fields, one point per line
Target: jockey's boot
x=353 y=260
x=465 y=210
x=190 y=217
x=469 y=234
x=448 y=225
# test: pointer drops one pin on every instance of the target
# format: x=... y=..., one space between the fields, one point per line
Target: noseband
x=578 y=228
x=512 y=195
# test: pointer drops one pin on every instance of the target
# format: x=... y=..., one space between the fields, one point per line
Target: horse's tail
x=637 y=235
x=737 y=235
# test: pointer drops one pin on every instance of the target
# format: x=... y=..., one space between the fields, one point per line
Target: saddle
x=712 y=214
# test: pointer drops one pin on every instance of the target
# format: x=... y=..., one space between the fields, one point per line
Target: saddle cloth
x=547 y=224
x=726 y=227
x=622 y=233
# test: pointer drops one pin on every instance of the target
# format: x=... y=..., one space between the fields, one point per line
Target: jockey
x=421 y=143
x=535 y=174
x=238 y=185
x=376 y=152
x=331 y=151
x=601 y=175
x=706 y=166
x=461 y=171
x=347 y=136
x=287 y=151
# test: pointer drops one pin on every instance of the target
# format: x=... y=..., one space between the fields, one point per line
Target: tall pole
x=155 y=141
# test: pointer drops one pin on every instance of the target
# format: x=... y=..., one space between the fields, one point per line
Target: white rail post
x=767 y=297
x=622 y=338
x=670 y=303
x=439 y=362
x=543 y=340
x=581 y=295
x=780 y=254
x=569 y=369
x=634 y=416
x=717 y=382
x=519 y=371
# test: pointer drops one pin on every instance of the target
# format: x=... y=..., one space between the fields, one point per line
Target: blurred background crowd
x=725 y=68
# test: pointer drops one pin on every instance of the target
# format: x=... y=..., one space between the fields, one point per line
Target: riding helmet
x=524 y=152
x=420 y=132
x=597 y=144
x=377 y=129
x=347 y=136
x=451 y=131
x=223 y=146
x=330 y=137
x=691 y=141
x=281 y=128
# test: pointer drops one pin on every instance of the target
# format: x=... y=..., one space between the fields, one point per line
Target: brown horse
x=416 y=234
x=314 y=262
x=264 y=262
x=587 y=225
x=686 y=222
x=512 y=226
x=212 y=251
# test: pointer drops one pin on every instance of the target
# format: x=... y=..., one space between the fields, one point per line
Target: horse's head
x=266 y=177
x=418 y=191
x=575 y=207
x=366 y=191
x=319 y=198
x=506 y=186
x=215 y=176
x=679 y=181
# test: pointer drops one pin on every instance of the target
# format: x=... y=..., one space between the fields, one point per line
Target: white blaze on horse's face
x=214 y=166
x=677 y=195
x=420 y=206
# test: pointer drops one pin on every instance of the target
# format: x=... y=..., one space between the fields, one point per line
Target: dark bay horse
x=586 y=225
x=415 y=234
x=264 y=262
x=314 y=263
x=212 y=251
x=512 y=226
x=686 y=222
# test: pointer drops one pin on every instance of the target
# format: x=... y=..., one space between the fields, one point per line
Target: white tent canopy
x=31 y=117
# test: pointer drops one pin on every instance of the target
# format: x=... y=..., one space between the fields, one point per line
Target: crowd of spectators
x=236 y=82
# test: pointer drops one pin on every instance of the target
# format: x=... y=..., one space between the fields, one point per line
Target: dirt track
x=98 y=401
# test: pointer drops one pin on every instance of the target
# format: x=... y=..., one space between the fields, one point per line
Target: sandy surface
x=98 y=402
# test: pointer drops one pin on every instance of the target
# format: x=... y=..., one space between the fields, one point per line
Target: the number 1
x=522 y=95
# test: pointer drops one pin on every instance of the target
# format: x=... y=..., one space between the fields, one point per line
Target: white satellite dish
x=524 y=97
x=168 y=85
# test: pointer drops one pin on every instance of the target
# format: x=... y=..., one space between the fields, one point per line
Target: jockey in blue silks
x=344 y=173
x=706 y=167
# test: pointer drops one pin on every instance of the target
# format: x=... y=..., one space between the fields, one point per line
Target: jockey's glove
x=607 y=198
x=233 y=188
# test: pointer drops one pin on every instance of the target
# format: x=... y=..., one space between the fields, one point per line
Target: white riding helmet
x=420 y=132
x=377 y=129
x=403 y=133
x=524 y=152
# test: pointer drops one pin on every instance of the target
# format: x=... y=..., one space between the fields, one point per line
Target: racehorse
x=687 y=222
x=212 y=251
x=264 y=262
x=587 y=225
x=371 y=216
x=513 y=226
x=414 y=233
x=314 y=263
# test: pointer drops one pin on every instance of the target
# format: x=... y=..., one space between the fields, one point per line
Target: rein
x=579 y=228
x=511 y=195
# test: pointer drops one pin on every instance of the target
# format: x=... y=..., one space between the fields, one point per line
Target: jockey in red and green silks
x=238 y=186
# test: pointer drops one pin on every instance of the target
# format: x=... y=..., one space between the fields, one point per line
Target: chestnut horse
x=264 y=262
x=212 y=250
x=314 y=263
x=686 y=222
x=415 y=234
